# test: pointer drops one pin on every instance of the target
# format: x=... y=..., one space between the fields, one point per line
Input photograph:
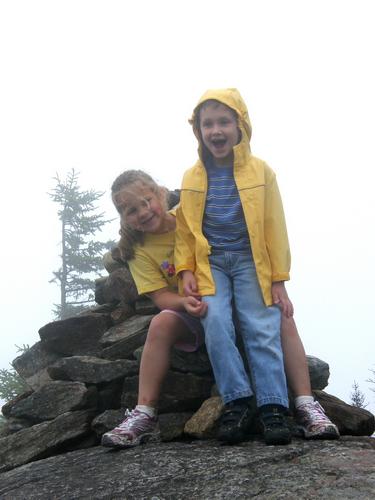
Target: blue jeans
x=237 y=288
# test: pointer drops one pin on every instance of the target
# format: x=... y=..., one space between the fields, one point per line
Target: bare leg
x=295 y=362
x=140 y=424
x=165 y=330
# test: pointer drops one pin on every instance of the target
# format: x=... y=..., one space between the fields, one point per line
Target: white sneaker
x=137 y=428
x=314 y=423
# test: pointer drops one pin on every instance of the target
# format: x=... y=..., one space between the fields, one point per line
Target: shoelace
x=132 y=421
x=273 y=420
x=232 y=414
x=316 y=411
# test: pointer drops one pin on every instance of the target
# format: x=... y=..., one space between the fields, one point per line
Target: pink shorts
x=194 y=325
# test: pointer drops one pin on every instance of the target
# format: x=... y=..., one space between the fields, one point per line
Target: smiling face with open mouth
x=219 y=131
x=143 y=209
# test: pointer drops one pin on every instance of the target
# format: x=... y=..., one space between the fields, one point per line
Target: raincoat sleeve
x=184 y=254
x=275 y=230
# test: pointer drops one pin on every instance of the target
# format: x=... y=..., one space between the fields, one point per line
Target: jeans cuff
x=227 y=398
x=273 y=400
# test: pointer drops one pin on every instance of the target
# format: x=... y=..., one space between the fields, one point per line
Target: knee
x=162 y=330
x=218 y=332
x=216 y=317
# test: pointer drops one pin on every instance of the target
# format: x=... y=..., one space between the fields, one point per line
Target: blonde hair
x=130 y=237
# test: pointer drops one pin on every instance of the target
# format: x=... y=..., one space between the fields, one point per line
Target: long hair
x=130 y=237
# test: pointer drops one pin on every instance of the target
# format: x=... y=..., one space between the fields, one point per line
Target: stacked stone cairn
x=83 y=374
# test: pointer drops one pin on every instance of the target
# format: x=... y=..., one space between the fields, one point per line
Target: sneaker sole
x=327 y=434
x=324 y=435
x=109 y=443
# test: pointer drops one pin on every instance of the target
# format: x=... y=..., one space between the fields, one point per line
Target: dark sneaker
x=235 y=422
x=314 y=423
x=137 y=428
x=275 y=429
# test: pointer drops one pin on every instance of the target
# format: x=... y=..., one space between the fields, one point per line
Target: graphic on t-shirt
x=169 y=268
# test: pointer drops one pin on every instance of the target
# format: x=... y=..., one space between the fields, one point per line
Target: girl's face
x=219 y=131
x=141 y=208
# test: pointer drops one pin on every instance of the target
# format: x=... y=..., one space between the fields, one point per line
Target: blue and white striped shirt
x=224 y=223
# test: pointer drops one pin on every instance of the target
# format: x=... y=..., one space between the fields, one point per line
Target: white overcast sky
x=103 y=86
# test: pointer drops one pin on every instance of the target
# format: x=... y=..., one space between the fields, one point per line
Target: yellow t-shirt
x=153 y=265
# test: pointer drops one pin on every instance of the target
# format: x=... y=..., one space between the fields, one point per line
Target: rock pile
x=83 y=373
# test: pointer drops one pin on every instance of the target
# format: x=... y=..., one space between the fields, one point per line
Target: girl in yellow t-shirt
x=147 y=243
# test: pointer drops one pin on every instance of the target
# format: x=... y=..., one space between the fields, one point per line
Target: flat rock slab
x=129 y=328
x=42 y=439
x=92 y=370
x=33 y=360
x=202 y=470
x=123 y=339
x=78 y=335
x=54 y=399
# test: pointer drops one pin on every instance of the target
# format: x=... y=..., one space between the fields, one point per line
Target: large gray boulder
x=32 y=365
x=92 y=370
x=319 y=372
x=78 y=335
x=202 y=470
x=121 y=340
x=43 y=439
x=118 y=287
x=52 y=400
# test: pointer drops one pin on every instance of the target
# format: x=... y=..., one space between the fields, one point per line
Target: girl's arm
x=165 y=299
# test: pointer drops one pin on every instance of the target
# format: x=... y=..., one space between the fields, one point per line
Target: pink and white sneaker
x=314 y=423
x=137 y=428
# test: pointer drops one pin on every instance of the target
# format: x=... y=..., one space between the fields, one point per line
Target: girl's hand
x=195 y=307
x=281 y=299
x=189 y=284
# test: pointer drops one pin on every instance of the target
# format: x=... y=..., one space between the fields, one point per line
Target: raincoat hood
x=231 y=98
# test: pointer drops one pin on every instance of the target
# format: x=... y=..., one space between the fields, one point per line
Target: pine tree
x=81 y=253
x=11 y=383
x=357 y=398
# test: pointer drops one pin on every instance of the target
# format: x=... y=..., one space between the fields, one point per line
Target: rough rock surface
x=92 y=370
x=319 y=372
x=342 y=470
x=75 y=336
x=43 y=439
x=52 y=400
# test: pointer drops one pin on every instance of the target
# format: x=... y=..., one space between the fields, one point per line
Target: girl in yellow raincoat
x=232 y=250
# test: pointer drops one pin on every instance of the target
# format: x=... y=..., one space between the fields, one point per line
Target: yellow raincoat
x=261 y=202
